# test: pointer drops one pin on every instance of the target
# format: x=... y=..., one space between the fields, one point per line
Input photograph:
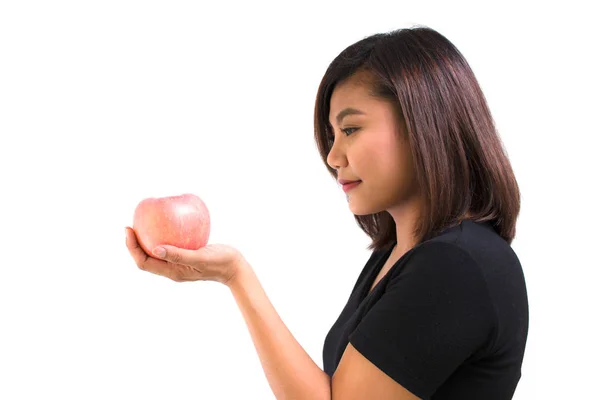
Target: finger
x=175 y=255
x=138 y=254
x=143 y=260
x=173 y=271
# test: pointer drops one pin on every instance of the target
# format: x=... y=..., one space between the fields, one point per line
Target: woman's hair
x=460 y=162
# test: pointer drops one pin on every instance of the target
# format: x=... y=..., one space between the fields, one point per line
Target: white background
x=105 y=103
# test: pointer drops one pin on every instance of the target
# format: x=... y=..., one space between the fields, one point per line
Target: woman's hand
x=214 y=262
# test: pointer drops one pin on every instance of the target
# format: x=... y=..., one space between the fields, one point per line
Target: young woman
x=440 y=309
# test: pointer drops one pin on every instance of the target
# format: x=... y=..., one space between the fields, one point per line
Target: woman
x=440 y=309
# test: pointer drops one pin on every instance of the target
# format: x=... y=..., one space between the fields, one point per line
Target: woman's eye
x=331 y=138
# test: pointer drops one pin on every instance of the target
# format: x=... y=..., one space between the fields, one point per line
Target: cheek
x=387 y=157
x=381 y=159
x=384 y=146
x=391 y=167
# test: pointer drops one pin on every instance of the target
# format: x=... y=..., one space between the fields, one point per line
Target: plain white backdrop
x=105 y=103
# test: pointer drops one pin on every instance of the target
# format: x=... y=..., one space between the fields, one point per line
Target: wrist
x=240 y=272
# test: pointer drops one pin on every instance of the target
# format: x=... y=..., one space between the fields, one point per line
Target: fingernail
x=160 y=252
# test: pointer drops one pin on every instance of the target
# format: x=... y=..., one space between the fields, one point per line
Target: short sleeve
x=434 y=314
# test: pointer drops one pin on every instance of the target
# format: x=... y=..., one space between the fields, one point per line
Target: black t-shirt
x=448 y=321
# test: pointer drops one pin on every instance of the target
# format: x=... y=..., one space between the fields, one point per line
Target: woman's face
x=369 y=146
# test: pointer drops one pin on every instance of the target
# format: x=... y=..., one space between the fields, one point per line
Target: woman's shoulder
x=472 y=248
x=477 y=249
x=477 y=239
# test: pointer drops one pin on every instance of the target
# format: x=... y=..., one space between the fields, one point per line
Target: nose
x=336 y=158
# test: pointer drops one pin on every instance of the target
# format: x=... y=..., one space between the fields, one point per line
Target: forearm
x=290 y=371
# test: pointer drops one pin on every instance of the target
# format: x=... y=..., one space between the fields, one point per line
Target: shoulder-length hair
x=460 y=162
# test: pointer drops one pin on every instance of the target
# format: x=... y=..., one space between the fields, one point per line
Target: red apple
x=182 y=221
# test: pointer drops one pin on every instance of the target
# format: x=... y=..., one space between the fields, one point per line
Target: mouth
x=344 y=181
x=350 y=185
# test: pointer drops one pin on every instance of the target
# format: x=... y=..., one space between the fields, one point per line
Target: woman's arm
x=291 y=373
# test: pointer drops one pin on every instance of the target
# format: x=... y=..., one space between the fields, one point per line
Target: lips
x=350 y=185
x=345 y=181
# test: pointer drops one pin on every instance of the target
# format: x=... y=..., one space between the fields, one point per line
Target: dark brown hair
x=460 y=162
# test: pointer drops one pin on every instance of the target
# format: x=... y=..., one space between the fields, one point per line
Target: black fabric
x=448 y=321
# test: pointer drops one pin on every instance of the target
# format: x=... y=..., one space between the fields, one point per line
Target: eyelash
x=331 y=138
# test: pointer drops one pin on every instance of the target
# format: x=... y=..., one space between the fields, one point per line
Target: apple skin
x=182 y=221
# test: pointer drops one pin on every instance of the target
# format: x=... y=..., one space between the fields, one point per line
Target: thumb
x=176 y=255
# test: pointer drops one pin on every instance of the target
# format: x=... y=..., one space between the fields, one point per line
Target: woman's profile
x=440 y=309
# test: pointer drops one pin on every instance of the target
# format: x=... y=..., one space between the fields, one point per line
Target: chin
x=362 y=209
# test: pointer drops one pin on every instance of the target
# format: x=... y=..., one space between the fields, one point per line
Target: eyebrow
x=347 y=111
